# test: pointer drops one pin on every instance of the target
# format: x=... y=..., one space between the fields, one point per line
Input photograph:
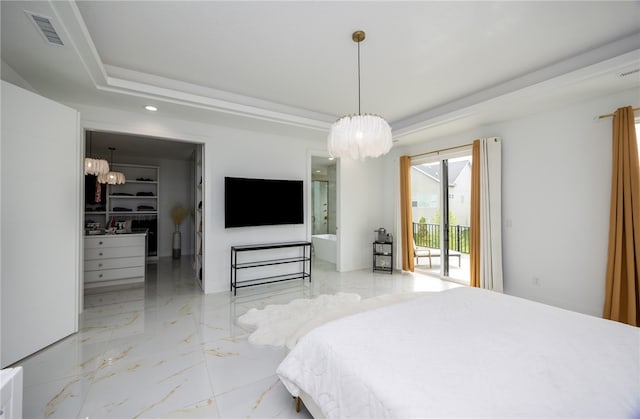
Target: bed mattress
x=468 y=352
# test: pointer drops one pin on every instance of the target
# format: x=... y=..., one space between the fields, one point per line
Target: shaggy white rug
x=285 y=324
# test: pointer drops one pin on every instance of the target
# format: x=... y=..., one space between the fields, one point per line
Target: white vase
x=177 y=239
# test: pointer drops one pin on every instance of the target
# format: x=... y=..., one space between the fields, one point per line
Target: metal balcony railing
x=428 y=235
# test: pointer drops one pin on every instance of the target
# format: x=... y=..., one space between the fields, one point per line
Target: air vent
x=46 y=28
x=630 y=72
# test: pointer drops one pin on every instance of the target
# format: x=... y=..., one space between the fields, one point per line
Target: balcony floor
x=456 y=273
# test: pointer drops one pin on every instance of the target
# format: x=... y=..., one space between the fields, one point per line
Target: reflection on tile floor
x=167 y=350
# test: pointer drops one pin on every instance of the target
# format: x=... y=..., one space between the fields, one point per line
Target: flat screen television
x=262 y=202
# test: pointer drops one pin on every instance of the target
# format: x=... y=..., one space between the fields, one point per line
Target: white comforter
x=468 y=352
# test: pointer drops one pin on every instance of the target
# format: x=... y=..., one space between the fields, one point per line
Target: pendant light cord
x=359 y=77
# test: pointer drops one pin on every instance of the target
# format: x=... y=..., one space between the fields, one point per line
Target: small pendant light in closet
x=112 y=178
x=93 y=166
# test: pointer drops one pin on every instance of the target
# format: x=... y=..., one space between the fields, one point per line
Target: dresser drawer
x=113 y=241
x=113 y=252
x=113 y=263
x=112 y=274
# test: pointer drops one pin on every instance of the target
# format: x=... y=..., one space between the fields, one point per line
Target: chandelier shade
x=112 y=178
x=95 y=167
x=357 y=137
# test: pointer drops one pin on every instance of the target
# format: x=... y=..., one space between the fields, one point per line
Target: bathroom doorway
x=324 y=208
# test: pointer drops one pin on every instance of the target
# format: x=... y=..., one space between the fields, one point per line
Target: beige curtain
x=406 y=218
x=622 y=298
x=486 y=215
x=474 y=248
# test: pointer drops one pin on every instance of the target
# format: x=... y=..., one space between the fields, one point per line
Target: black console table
x=263 y=255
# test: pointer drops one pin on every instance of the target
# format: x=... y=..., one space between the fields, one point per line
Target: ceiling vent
x=46 y=28
x=630 y=72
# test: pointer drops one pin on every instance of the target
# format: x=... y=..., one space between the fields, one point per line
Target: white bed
x=468 y=352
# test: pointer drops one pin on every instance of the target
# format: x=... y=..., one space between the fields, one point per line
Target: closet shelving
x=136 y=200
x=198 y=218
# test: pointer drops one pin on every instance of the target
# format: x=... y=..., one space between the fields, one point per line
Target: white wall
x=556 y=171
x=176 y=187
x=246 y=154
x=361 y=201
x=227 y=152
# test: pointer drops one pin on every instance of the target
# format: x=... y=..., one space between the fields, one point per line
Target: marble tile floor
x=167 y=350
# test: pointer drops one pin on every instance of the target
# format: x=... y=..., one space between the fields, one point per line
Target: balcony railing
x=428 y=235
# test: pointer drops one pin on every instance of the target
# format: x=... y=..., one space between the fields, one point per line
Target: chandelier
x=112 y=178
x=93 y=166
x=357 y=137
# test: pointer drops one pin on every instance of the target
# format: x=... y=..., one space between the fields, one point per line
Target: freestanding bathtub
x=324 y=246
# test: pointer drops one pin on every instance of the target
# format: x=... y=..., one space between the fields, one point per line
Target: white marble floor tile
x=236 y=363
x=79 y=354
x=220 y=324
x=167 y=350
x=201 y=409
x=55 y=399
x=266 y=398
x=148 y=385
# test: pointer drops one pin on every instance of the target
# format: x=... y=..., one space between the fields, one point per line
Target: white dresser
x=114 y=259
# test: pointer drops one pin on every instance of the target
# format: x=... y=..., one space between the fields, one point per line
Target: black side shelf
x=383 y=256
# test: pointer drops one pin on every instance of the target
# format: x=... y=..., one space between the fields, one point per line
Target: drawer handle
x=99 y=242
x=100 y=276
x=99 y=265
x=100 y=254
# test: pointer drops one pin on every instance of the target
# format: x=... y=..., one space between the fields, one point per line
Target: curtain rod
x=610 y=115
x=441 y=150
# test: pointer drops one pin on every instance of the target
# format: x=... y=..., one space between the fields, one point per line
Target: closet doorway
x=172 y=209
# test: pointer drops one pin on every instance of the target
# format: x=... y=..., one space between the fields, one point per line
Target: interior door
x=40 y=222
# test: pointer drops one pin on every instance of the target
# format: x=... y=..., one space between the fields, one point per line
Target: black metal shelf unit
x=301 y=261
x=383 y=256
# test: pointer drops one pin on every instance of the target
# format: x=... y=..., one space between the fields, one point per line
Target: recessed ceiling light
x=151 y=108
x=331 y=158
x=318 y=171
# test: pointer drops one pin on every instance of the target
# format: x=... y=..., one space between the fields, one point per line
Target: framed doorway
x=441 y=208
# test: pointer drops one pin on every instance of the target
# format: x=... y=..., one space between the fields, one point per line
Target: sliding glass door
x=441 y=196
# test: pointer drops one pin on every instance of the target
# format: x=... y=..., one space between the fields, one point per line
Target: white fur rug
x=285 y=324
x=275 y=323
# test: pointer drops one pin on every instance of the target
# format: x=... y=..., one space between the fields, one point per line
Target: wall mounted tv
x=262 y=202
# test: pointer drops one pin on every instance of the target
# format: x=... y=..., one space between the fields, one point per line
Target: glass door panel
x=319 y=202
x=441 y=192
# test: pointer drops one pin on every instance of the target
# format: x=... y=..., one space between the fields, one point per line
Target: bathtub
x=324 y=247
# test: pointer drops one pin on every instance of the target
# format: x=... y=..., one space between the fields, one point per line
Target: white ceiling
x=429 y=68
